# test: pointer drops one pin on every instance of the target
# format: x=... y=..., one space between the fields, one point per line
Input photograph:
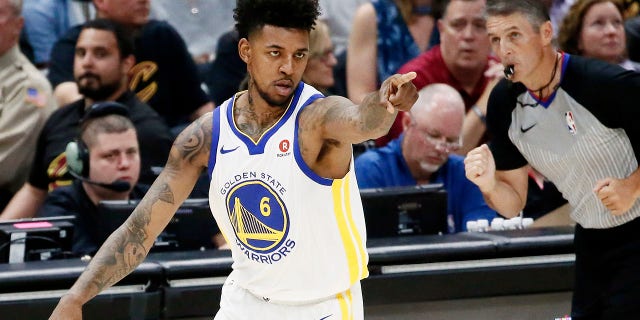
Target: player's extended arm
x=128 y=246
x=348 y=123
x=504 y=191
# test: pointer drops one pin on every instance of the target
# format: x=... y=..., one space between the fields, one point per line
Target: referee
x=575 y=121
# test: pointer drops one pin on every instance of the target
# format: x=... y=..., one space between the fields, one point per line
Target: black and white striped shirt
x=586 y=131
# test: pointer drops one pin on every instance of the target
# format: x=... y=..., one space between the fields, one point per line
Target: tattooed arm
x=329 y=126
x=351 y=123
x=128 y=246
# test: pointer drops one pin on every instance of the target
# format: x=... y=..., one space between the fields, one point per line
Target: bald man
x=423 y=154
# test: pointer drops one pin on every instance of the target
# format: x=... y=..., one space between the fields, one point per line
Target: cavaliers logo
x=139 y=77
x=258 y=216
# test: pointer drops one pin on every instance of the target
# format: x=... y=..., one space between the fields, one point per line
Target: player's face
x=602 y=34
x=115 y=156
x=319 y=71
x=127 y=12
x=276 y=59
x=517 y=43
x=464 y=41
x=98 y=68
x=10 y=26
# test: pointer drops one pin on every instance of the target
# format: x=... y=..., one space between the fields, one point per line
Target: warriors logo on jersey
x=260 y=220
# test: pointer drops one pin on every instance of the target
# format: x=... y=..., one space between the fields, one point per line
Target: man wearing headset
x=105 y=158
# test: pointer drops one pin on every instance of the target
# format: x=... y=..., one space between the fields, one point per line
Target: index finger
x=404 y=78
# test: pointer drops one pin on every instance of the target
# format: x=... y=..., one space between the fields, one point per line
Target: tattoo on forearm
x=376 y=116
x=128 y=250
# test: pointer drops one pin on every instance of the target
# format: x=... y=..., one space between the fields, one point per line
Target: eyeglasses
x=440 y=142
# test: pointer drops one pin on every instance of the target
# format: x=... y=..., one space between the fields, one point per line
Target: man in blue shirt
x=422 y=154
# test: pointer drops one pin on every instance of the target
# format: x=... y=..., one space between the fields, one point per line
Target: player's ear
x=244 y=49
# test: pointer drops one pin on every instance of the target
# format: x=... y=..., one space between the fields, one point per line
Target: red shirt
x=430 y=68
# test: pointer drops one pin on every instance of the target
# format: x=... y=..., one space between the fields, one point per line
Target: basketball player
x=283 y=188
x=575 y=121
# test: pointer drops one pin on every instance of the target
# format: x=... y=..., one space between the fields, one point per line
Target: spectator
x=199 y=23
x=25 y=103
x=422 y=155
x=386 y=34
x=48 y=20
x=338 y=15
x=595 y=29
x=227 y=69
x=105 y=152
x=461 y=60
x=557 y=11
x=632 y=28
x=319 y=70
x=165 y=75
x=104 y=55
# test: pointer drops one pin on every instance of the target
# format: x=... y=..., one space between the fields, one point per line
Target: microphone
x=117 y=186
x=509 y=71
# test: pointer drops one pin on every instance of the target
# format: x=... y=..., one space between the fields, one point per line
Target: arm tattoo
x=376 y=114
x=197 y=140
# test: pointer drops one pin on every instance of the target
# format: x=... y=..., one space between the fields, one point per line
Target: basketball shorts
x=237 y=303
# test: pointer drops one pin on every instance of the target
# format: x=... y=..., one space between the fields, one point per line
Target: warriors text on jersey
x=294 y=236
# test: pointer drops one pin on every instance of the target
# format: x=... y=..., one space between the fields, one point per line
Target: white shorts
x=237 y=303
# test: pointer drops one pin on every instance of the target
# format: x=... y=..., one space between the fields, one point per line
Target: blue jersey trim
x=215 y=137
x=258 y=148
x=296 y=148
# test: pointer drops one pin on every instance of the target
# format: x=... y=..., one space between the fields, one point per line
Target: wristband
x=479 y=113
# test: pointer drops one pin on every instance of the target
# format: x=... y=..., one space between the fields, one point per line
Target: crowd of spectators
x=168 y=62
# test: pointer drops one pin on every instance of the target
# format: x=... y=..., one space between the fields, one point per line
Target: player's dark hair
x=123 y=36
x=534 y=10
x=252 y=15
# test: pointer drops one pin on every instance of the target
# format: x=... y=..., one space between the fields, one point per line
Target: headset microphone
x=117 y=186
x=508 y=71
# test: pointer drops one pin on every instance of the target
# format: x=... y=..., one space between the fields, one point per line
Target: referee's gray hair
x=534 y=10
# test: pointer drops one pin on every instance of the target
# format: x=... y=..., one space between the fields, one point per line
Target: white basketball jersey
x=294 y=236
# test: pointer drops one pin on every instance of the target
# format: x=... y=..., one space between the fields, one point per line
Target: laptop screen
x=36 y=239
x=410 y=210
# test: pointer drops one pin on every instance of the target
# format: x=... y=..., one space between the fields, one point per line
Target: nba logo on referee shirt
x=571 y=124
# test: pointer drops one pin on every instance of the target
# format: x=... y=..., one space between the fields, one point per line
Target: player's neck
x=255 y=116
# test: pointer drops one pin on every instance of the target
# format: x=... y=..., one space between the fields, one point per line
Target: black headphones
x=76 y=152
